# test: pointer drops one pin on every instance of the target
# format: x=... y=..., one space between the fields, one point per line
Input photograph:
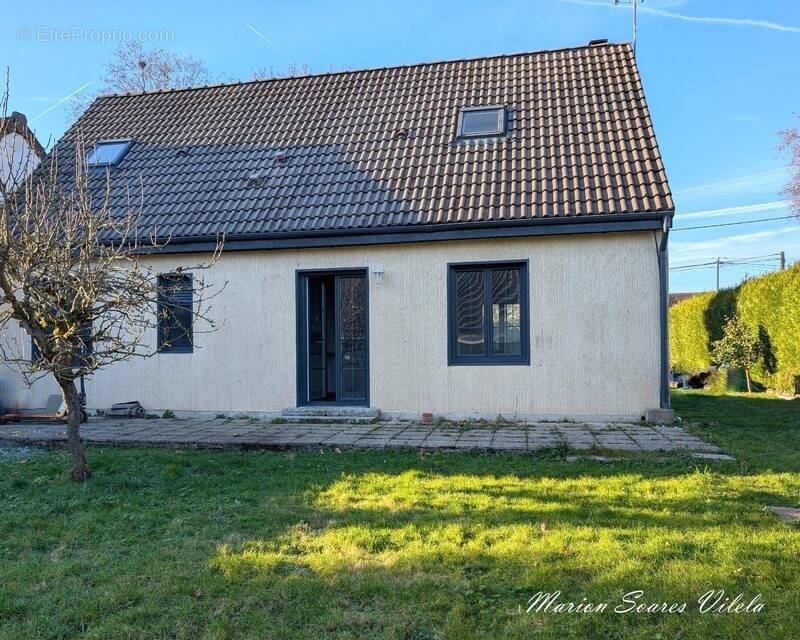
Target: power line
x=756 y=258
x=713 y=265
x=730 y=224
x=708 y=265
x=694 y=267
x=749 y=264
x=763 y=255
x=749 y=261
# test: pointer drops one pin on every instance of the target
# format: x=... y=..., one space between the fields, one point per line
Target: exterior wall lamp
x=378 y=271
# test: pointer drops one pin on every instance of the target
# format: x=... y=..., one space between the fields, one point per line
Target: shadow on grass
x=400 y=545
x=457 y=548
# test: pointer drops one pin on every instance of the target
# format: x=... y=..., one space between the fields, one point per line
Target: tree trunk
x=80 y=470
x=747 y=378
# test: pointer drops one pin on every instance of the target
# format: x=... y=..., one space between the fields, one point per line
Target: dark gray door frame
x=301 y=306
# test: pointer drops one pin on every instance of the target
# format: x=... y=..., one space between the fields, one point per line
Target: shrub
x=739 y=346
x=718 y=382
x=770 y=305
x=688 y=334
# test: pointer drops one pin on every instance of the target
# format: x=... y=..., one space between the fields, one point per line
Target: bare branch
x=290 y=70
x=73 y=278
x=790 y=141
x=132 y=68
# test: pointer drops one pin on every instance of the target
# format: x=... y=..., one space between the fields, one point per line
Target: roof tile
x=378 y=148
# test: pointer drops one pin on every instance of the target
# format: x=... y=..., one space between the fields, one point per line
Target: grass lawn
x=181 y=544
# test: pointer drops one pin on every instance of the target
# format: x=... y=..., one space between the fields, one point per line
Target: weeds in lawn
x=472 y=424
x=555 y=452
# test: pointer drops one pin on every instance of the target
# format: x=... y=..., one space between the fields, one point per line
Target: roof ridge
x=237 y=83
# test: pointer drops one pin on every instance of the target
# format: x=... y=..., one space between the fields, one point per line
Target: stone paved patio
x=247 y=433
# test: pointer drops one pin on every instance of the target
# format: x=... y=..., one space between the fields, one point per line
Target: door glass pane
x=316 y=339
x=506 y=312
x=469 y=313
x=352 y=337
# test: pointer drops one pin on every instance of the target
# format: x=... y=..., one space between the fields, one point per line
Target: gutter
x=663 y=280
x=612 y=223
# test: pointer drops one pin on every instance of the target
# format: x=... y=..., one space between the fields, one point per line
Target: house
x=675 y=298
x=474 y=237
x=20 y=151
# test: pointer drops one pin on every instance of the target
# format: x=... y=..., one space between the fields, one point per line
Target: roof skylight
x=481 y=122
x=107 y=152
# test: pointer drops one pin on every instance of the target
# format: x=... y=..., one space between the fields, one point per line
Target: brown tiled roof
x=377 y=149
x=675 y=298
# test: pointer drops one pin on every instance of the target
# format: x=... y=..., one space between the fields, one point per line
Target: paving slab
x=714 y=456
x=246 y=433
x=787 y=514
x=511 y=446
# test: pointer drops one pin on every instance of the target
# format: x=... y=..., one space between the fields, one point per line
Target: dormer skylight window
x=106 y=153
x=482 y=122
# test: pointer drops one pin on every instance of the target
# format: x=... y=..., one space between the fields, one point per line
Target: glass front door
x=352 y=338
x=334 y=339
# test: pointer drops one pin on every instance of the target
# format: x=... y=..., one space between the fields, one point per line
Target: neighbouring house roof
x=675 y=298
x=20 y=151
x=376 y=150
x=18 y=123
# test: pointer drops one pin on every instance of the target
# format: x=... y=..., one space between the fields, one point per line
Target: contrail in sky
x=741 y=22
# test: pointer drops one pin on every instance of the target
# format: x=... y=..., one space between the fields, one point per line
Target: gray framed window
x=488 y=314
x=175 y=299
x=106 y=153
x=482 y=122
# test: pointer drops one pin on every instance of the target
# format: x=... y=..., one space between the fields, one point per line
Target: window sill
x=490 y=362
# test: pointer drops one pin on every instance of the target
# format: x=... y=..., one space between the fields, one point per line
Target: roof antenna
x=634 y=4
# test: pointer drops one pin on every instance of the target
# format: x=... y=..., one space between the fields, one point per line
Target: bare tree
x=71 y=276
x=790 y=141
x=133 y=68
x=290 y=70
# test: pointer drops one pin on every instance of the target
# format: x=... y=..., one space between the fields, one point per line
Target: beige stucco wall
x=14 y=393
x=17 y=159
x=594 y=333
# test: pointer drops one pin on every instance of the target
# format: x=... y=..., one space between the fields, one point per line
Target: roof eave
x=613 y=223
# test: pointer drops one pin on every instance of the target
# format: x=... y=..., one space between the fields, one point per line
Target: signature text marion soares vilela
x=714 y=601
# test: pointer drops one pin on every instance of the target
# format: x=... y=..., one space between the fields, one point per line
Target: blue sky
x=721 y=79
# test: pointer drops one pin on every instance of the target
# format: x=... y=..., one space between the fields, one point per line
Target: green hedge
x=770 y=304
x=688 y=334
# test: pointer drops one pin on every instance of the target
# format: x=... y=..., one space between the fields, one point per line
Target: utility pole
x=782 y=255
x=718 y=263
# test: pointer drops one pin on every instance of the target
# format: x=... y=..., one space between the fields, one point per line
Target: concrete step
x=333 y=412
x=312 y=419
